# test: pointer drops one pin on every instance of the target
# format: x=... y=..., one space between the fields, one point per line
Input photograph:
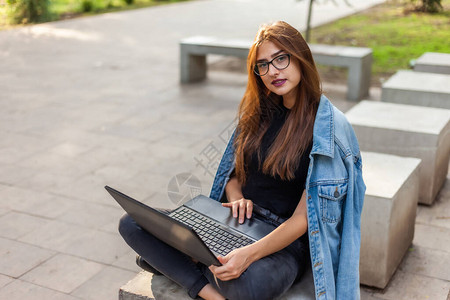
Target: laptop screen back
x=170 y=231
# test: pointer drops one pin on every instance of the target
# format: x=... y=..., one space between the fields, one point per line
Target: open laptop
x=201 y=228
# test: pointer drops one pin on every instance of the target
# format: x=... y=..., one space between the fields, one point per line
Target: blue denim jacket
x=335 y=193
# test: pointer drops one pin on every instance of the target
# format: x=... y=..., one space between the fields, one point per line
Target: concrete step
x=433 y=62
x=409 y=131
x=417 y=88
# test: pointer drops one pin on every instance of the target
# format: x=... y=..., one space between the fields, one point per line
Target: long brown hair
x=254 y=115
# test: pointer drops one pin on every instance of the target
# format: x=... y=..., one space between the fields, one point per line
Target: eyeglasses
x=280 y=62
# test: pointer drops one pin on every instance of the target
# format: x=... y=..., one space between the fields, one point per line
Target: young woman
x=292 y=161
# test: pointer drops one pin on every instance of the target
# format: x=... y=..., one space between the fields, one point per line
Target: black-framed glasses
x=280 y=62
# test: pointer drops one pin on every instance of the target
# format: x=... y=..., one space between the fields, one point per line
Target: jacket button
x=336 y=193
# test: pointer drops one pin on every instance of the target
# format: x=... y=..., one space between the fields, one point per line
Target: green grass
x=394 y=32
x=63 y=9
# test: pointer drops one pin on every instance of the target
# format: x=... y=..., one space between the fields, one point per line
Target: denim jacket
x=335 y=193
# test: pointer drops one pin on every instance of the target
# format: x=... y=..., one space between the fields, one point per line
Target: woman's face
x=281 y=82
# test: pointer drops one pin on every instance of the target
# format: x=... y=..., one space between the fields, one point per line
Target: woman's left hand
x=233 y=264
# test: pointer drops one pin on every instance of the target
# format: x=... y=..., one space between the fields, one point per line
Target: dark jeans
x=266 y=278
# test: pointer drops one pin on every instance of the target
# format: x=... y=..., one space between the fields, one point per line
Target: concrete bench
x=358 y=60
x=389 y=214
x=417 y=88
x=146 y=286
x=433 y=62
x=410 y=131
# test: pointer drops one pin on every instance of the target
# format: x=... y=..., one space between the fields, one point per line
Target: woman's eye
x=262 y=65
x=281 y=58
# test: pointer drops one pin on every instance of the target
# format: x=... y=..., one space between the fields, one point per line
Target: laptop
x=201 y=228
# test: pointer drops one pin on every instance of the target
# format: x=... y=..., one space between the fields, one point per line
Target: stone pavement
x=95 y=101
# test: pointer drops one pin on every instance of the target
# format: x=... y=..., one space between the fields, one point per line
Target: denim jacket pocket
x=331 y=197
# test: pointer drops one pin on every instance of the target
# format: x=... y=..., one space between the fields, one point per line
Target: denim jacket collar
x=323 y=133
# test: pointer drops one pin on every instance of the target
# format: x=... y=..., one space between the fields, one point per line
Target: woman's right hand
x=241 y=208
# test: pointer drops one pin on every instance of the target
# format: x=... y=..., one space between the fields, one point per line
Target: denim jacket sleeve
x=224 y=170
x=347 y=281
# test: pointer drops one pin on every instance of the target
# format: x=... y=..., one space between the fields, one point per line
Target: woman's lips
x=278 y=82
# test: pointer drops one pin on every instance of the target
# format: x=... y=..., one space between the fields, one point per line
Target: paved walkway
x=96 y=101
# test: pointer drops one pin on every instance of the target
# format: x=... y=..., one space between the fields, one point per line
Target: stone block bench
x=193 y=52
x=409 y=131
x=146 y=286
x=389 y=214
x=433 y=62
x=417 y=88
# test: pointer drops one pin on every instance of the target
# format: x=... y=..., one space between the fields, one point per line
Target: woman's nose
x=272 y=70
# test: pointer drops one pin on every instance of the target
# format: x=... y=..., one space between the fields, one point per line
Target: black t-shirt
x=279 y=196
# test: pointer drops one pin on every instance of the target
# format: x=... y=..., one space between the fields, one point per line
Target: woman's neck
x=289 y=99
x=288 y=104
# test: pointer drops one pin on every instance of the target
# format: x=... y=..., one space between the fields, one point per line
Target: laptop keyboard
x=216 y=236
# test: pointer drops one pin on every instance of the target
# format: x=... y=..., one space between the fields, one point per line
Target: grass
x=64 y=9
x=393 y=30
x=69 y=8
